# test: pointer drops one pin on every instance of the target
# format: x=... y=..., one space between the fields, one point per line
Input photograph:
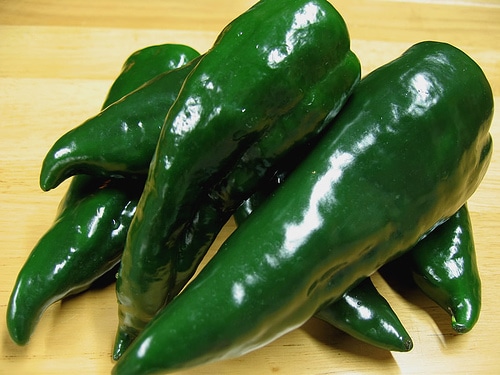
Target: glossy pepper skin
x=444 y=266
x=367 y=316
x=87 y=237
x=243 y=89
x=146 y=64
x=406 y=152
x=360 y=312
x=85 y=241
x=136 y=119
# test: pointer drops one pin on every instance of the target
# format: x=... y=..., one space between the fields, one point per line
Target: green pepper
x=146 y=64
x=409 y=148
x=87 y=238
x=444 y=266
x=106 y=145
x=85 y=241
x=255 y=83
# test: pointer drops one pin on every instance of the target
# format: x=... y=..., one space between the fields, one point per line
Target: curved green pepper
x=107 y=144
x=444 y=266
x=146 y=64
x=406 y=152
x=84 y=242
x=87 y=238
x=254 y=83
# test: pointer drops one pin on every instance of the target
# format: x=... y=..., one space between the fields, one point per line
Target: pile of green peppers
x=328 y=176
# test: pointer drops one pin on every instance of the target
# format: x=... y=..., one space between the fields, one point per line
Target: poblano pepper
x=255 y=82
x=406 y=152
x=87 y=238
x=444 y=266
x=107 y=145
x=147 y=63
x=85 y=241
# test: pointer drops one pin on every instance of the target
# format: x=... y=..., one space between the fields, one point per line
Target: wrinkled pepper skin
x=360 y=312
x=87 y=237
x=107 y=145
x=146 y=64
x=409 y=148
x=84 y=242
x=444 y=266
x=216 y=119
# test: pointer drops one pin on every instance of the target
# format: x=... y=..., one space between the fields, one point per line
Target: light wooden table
x=57 y=61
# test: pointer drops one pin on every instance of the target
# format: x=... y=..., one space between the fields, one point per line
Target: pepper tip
x=122 y=342
x=44 y=183
x=464 y=315
x=408 y=345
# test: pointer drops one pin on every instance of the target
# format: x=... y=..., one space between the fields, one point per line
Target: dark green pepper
x=87 y=238
x=444 y=266
x=84 y=242
x=406 y=152
x=146 y=64
x=254 y=83
x=107 y=144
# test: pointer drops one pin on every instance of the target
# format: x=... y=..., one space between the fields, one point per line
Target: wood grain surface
x=57 y=61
